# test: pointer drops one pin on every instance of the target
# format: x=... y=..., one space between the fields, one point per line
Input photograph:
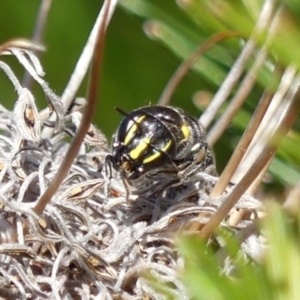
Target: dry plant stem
x=22 y=44
x=261 y=136
x=237 y=101
x=242 y=146
x=86 y=119
x=81 y=66
x=289 y=115
x=236 y=71
x=284 y=86
x=187 y=64
x=38 y=36
x=85 y=58
x=256 y=183
x=237 y=216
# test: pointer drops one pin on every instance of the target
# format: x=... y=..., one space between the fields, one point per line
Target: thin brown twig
x=86 y=119
x=246 y=139
x=241 y=151
x=236 y=216
x=287 y=115
x=261 y=136
x=238 y=100
x=242 y=146
x=181 y=71
x=237 y=69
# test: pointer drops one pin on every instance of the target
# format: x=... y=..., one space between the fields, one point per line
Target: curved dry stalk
x=254 y=124
x=12 y=77
x=236 y=216
x=259 y=123
x=21 y=44
x=262 y=136
x=38 y=35
x=181 y=71
x=284 y=118
x=86 y=119
x=242 y=146
x=264 y=20
x=81 y=66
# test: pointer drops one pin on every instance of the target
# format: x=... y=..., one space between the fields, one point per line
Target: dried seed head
x=94 y=136
x=25 y=116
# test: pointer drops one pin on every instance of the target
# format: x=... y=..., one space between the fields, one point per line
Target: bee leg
x=205 y=162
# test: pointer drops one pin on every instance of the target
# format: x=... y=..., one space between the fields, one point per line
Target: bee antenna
x=125 y=114
x=122 y=112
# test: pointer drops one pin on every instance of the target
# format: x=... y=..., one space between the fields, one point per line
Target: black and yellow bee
x=157 y=140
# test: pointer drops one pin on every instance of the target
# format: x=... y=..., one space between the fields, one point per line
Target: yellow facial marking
x=132 y=130
x=136 y=152
x=157 y=154
x=186 y=131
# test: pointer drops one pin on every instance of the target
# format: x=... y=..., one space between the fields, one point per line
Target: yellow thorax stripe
x=157 y=154
x=132 y=130
x=186 y=131
x=136 y=152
